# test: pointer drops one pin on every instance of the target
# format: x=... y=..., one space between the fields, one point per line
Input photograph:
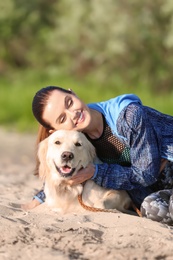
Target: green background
x=98 y=48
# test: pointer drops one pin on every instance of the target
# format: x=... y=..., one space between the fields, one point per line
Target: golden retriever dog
x=61 y=156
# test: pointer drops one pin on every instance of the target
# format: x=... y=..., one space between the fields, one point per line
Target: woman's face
x=66 y=111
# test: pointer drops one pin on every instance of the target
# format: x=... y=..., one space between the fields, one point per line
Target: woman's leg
x=171 y=206
x=158 y=206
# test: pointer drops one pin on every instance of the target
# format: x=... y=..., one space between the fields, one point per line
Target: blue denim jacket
x=149 y=135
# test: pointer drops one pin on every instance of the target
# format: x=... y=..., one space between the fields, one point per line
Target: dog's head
x=63 y=153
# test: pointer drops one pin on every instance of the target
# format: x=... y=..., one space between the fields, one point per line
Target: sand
x=43 y=234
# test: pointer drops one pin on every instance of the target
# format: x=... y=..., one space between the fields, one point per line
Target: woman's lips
x=80 y=118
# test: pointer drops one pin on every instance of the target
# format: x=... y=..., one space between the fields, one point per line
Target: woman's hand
x=82 y=175
x=32 y=204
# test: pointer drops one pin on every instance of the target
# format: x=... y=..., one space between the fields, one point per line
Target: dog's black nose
x=67 y=156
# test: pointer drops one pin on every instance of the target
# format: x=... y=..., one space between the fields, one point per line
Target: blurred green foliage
x=99 y=48
x=17 y=91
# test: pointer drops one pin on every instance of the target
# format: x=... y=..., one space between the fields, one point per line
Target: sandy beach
x=44 y=234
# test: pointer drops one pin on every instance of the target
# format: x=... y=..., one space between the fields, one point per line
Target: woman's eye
x=62 y=119
x=70 y=102
x=78 y=144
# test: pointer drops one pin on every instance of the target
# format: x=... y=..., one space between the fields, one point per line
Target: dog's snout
x=67 y=156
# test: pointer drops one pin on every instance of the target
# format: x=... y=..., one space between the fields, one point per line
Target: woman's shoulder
x=119 y=101
x=126 y=99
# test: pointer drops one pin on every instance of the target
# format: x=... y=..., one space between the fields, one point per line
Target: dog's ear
x=42 y=152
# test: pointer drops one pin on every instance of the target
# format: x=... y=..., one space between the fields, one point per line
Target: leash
x=93 y=209
x=136 y=210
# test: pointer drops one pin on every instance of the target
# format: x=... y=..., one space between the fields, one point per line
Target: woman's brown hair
x=42 y=134
x=40 y=101
x=38 y=105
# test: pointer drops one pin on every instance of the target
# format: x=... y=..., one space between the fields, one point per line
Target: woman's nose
x=70 y=113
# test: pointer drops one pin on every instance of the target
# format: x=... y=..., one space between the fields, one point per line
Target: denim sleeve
x=40 y=196
x=140 y=136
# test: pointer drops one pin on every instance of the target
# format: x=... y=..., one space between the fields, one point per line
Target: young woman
x=133 y=141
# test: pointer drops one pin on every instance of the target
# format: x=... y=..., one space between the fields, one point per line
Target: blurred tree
x=124 y=41
x=22 y=24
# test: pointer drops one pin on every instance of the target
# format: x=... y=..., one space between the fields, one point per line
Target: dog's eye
x=57 y=142
x=78 y=144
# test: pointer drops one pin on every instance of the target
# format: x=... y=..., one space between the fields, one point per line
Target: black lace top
x=114 y=151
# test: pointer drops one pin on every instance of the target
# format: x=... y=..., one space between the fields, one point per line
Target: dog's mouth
x=65 y=170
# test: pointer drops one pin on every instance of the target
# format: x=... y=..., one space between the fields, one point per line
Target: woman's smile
x=80 y=118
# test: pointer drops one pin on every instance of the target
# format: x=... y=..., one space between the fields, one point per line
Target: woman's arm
x=38 y=199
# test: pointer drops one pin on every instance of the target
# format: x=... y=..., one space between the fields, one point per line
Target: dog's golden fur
x=61 y=155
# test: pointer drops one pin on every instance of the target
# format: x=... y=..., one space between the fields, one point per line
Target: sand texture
x=43 y=234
